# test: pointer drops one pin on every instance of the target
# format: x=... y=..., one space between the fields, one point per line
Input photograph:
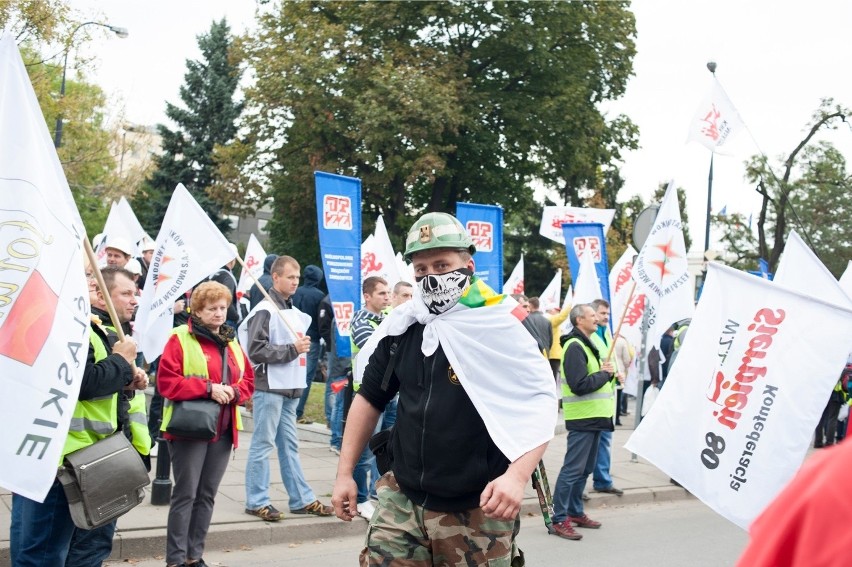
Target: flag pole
x=99 y=278
x=620 y=322
x=266 y=295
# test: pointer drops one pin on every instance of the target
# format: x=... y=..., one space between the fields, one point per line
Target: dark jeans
x=826 y=429
x=578 y=464
x=40 y=533
x=91 y=547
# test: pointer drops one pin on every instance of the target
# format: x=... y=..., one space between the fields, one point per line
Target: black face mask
x=442 y=291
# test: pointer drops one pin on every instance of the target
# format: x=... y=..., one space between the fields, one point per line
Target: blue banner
x=581 y=238
x=339 y=222
x=484 y=223
x=762 y=270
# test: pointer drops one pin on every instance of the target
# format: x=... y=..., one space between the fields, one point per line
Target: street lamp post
x=711 y=66
x=120 y=32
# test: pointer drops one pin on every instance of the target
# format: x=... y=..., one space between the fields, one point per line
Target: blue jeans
x=576 y=467
x=275 y=428
x=601 y=478
x=91 y=547
x=367 y=465
x=40 y=533
x=389 y=419
x=313 y=359
x=336 y=420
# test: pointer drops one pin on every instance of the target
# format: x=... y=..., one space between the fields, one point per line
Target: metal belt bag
x=103 y=481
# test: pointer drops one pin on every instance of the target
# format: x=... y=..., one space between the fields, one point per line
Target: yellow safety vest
x=195 y=366
x=677 y=336
x=94 y=419
x=599 y=403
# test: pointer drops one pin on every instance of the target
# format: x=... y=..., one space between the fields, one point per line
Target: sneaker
x=610 y=490
x=366 y=509
x=304 y=420
x=584 y=522
x=267 y=513
x=334 y=450
x=566 y=530
x=316 y=508
x=585 y=497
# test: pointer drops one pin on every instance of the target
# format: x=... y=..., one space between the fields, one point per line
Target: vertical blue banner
x=339 y=222
x=581 y=238
x=484 y=223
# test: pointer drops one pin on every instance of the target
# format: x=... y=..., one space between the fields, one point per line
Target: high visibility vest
x=195 y=366
x=678 y=340
x=355 y=349
x=599 y=403
x=94 y=419
x=604 y=346
x=140 y=437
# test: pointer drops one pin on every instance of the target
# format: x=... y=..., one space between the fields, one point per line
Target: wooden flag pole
x=620 y=323
x=99 y=278
x=266 y=295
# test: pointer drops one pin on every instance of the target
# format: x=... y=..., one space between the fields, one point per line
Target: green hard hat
x=437 y=230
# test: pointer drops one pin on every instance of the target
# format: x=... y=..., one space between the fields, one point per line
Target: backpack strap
x=389 y=367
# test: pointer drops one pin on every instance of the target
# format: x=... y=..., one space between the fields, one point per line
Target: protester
x=201 y=360
x=532 y=329
x=339 y=370
x=41 y=532
x=588 y=404
x=93 y=547
x=402 y=292
x=452 y=463
x=118 y=251
x=275 y=352
x=541 y=324
x=255 y=295
x=557 y=317
x=147 y=249
x=825 y=434
x=624 y=354
x=307 y=300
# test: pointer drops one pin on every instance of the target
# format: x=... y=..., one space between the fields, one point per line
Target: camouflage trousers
x=403 y=534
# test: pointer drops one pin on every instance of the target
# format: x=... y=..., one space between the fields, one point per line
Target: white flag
x=377 y=256
x=122 y=223
x=553 y=217
x=620 y=284
x=189 y=247
x=741 y=401
x=406 y=271
x=801 y=270
x=549 y=298
x=44 y=300
x=661 y=271
x=254 y=258
x=716 y=121
x=846 y=280
x=515 y=283
x=587 y=288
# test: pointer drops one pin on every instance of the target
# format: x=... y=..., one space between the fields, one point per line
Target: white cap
x=120 y=244
x=134 y=267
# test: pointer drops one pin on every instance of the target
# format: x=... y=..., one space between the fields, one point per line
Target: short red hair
x=208 y=292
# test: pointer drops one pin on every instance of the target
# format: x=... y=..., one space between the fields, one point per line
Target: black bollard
x=161 y=488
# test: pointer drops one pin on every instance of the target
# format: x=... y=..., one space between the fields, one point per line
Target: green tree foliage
x=431 y=103
x=207 y=120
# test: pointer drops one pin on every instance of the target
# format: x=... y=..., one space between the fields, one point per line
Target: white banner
x=549 y=298
x=661 y=271
x=189 y=247
x=515 y=283
x=801 y=270
x=716 y=121
x=377 y=256
x=553 y=217
x=44 y=298
x=587 y=288
x=254 y=259
x=121 y=223
x=741 y=401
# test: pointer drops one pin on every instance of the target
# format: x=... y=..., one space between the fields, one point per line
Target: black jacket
x=325 y=325
x=308 y=297
x=226 y=277
x=442 y=454
x=255 y=295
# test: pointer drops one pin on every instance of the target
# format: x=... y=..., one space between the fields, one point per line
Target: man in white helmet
x=118 y=252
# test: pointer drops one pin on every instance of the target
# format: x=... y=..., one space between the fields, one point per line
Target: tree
x=207 y=119
x=431 y=103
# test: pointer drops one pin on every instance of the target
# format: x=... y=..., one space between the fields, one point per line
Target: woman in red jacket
x=191 y=367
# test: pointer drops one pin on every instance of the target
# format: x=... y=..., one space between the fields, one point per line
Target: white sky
x=776 y=59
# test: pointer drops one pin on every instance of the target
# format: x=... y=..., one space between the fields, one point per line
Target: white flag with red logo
x=189 y=247
x=661 y=271
x=121 y=223
x=254 y=258
x=735 y=418
x=44 y=298
x=553 y=217
x=716 y=121
x=377 y=256
x=515 y=283
x=620 y=285
x=587 y=288
x=549 y=298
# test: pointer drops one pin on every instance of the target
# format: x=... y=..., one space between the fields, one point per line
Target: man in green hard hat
x=475 y=413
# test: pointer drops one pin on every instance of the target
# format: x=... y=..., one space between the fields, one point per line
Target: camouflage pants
x=403 y=534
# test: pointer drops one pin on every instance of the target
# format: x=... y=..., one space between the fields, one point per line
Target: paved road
x=671 y=534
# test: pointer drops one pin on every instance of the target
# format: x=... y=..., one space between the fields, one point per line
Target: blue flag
x=485 y=225
x=339 y=222
x=762 y=270
x=582 y=238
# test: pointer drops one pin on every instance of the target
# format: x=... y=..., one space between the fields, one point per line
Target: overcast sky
x=775 y=59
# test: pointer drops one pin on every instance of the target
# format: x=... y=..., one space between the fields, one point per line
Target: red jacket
x=173 y=385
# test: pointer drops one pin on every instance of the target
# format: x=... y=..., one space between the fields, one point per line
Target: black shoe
x=610 y=490
x=618 y=423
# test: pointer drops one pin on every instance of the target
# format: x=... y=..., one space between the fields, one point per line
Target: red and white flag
x=661 y=271
x=742 y=399
x=552 y=294
x=44 y=298
x=553 y=217
x=620 y=284
x=515 y=283
x=189 y=247
x=716 y=121
x=254 y=258
x=377 y=256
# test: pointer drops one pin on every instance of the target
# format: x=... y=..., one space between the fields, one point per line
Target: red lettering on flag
x=369 y=263
x=481 y=233
x=337 y=212
x=28 y=324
